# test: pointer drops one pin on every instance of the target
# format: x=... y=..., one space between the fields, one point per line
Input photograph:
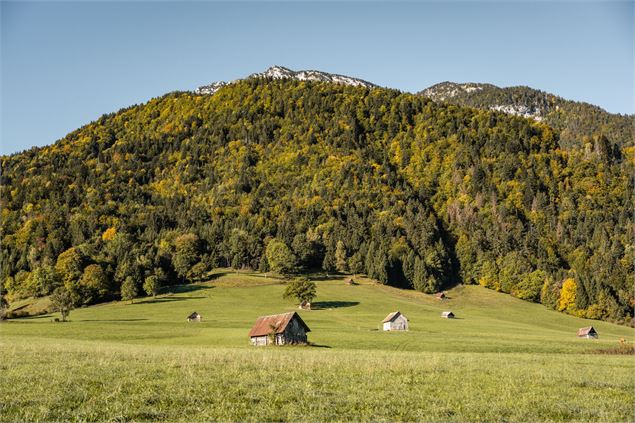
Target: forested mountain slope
x=581 y=125
x=412 y=192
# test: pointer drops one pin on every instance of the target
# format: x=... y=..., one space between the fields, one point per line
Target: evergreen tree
x=340 y=258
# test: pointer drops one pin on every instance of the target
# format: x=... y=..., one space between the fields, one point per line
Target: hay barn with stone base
x=279 y=329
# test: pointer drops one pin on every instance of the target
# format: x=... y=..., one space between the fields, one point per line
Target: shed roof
x=277 y=322
x=193 y=315
x=447 y=313
x=586 y=331
x=392 y=316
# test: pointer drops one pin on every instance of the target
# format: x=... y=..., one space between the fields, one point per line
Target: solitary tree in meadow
x=62 y=301
x=302 y=289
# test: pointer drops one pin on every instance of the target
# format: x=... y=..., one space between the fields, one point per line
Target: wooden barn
x=395 y=321
x=194 y=317
x=279 y=329
x=587 y=332
x=447 y=315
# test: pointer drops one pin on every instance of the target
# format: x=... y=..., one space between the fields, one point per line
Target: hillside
x=581 y=125
x=412 y=193
x=343 y=317
x=500 y=357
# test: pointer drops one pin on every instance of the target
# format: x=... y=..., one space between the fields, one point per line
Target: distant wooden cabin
x=447 y=315
x=305 y=305
x=279 y=329
x=194 y=317
x=395 y=321
x=441 y=296
x=588 y=332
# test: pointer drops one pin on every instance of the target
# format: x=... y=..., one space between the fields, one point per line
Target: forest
x=306 y=176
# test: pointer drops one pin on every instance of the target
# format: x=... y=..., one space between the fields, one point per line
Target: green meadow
x=501 y=359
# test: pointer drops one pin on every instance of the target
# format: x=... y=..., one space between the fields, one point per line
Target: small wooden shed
x=194 y=317
x=441 y=296
x=395 y=321
x=279 y=329
x=588 y=332
x=305 y=305
x=447 y=315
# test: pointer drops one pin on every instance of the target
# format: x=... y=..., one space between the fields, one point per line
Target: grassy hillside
x=344 y=317
x=501 y=359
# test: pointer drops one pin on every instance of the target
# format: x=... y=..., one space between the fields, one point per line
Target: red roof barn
x=279 y=329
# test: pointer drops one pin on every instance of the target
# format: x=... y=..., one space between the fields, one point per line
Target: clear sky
x=66 y=63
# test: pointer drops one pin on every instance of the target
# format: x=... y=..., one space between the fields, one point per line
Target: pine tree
x=340 y=257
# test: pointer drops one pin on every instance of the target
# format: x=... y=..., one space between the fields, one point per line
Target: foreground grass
x=502 y=359
x=84 y=381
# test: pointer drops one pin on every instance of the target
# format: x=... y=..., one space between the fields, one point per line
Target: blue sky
x=66 y=63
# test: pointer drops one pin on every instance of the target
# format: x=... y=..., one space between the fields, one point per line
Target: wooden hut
x=279 y=329
x=194 y=317
x=305 y=305
x=441 y=296
x=395 y=321
x=447 y=315
x=587 y=332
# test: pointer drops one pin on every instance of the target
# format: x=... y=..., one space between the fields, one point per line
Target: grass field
x=502 y=359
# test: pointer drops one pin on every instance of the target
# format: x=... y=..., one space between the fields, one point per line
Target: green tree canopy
x=302 y=289
x=280 y=257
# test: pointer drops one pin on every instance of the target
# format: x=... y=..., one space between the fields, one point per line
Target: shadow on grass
x=111 y=320
x=213 y=277
x=322 y=305
x=319 y=346
x=167 y=300
x=324 y=276
x=181 y=289
x=29 y=317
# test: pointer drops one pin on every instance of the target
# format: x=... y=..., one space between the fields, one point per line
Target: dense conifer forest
x=413 y=193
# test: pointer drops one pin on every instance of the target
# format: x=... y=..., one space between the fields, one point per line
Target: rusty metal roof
x=585 y=331
x=392 y=316
x=265 y=325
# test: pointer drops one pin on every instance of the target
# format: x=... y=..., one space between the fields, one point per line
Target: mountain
x=579 y=123
x=414 y=193
x=280 y=72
